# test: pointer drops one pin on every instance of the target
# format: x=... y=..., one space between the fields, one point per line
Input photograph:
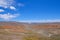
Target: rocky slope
x=16 y=30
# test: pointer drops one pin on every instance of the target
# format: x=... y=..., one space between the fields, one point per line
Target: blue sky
x=23 y=10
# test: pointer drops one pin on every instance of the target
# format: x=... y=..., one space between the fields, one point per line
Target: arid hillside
x=10 y=25
x=22 y=27
x=18 y=30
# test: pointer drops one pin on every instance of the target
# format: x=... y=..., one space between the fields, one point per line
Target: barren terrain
x=26 y=31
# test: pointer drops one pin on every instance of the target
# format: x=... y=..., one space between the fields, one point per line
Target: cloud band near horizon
x=42 y=21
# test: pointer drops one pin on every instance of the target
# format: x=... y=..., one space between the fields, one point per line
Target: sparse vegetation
x=16 y=31
x=31 y=36
x=41 y=38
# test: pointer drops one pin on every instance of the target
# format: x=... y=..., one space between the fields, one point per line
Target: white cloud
x=8 y=16
x=9 y=3
x=6 y=3
x=20 y=4
x=40 y=21
x=1 y=10
x=12 y=8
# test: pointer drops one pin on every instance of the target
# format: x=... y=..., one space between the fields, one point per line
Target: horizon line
x=39 y=21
